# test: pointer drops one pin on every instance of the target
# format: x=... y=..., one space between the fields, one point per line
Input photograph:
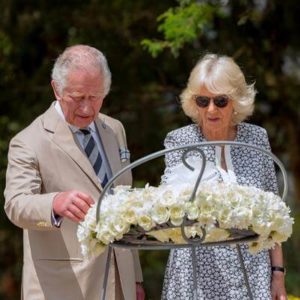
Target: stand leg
x=106 y=273
x=244 y=271
x=195 y=283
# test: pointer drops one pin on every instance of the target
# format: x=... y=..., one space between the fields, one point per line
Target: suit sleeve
x=25 y=206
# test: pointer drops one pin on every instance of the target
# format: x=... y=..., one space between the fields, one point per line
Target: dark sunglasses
x=219 y=101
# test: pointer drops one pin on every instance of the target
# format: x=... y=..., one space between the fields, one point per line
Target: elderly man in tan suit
x=57 y=168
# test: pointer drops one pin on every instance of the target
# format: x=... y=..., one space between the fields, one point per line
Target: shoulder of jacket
x=181 y=132
x=251 y=128
x=30 y=130
x=254 y=134
x=113 y=123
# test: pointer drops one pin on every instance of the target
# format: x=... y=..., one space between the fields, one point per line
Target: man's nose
x=85 y=104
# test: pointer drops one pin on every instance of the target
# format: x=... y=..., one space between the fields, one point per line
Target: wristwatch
x=278 y=269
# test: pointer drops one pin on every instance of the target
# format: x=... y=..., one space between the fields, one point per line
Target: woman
x=218 y=99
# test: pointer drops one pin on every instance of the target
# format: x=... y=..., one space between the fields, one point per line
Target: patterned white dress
x=219 y=274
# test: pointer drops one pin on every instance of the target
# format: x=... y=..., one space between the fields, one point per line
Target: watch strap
x=278 y=269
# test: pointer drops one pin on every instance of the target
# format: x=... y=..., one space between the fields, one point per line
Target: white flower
x=105 y=236
x=177 y=213
x=160 y=214
x=145 y=221
x=130 y=216
x=168 y=198
x=192 y=210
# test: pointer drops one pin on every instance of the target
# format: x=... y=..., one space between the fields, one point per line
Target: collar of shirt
x=72 y=127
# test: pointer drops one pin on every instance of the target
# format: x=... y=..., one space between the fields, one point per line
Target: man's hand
x=140 y=293
x=72 y=205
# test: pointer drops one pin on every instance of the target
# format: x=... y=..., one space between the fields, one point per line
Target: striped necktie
x=94 y=156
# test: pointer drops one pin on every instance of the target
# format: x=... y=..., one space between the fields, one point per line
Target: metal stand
x=107 y=265
x=195 y=281
x=240 y=236
x=244 y=271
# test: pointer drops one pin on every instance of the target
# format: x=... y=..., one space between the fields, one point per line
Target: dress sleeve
x=270 y=179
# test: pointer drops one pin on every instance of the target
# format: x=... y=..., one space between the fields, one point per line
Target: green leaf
x=154 y=47
x=181 y=25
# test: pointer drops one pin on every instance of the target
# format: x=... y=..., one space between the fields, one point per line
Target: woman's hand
x=277 y=286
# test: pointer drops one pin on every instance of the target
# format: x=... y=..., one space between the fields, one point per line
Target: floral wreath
x=184 y=211
x=218 y=208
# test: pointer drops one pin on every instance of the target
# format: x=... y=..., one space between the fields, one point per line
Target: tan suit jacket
x=45 y=159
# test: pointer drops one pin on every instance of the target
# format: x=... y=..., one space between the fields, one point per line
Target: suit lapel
x=110 y=146
x=64 y=139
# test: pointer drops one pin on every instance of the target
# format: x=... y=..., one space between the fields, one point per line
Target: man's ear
x=55 y=90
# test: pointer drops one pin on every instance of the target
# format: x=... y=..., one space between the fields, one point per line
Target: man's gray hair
x=80 y=57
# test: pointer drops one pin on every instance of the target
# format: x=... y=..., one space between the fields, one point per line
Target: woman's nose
x=211 y=106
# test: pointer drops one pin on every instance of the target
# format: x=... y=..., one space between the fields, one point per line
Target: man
x=57 y=168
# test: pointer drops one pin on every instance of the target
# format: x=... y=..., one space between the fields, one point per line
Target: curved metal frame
x=191 y=243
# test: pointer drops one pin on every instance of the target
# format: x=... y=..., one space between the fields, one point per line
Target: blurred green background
x=150 y=58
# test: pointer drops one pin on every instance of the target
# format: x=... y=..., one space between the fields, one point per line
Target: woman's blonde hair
x=219 y=75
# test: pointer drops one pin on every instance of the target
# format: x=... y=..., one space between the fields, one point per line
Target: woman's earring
x=234 y=112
